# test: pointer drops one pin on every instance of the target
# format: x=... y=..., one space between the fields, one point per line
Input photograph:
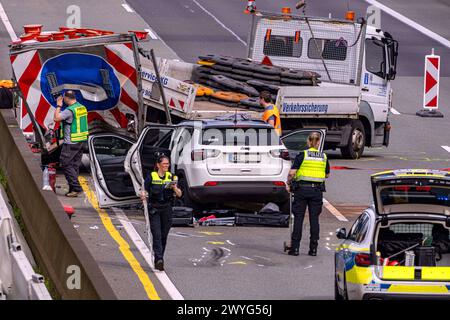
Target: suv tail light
x=280 y=153
x=202 y=154
x=362 y=259
x=210 y=184
x=279 y=183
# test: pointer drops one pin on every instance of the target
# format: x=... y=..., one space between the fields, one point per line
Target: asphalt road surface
x=244 y=262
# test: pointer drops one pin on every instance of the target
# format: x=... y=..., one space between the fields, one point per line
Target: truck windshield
x=236 y=136
x=406 y=194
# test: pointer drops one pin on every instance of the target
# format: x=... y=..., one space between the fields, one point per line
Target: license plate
x=244 y=158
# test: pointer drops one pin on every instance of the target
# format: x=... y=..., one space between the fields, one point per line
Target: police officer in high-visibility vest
x=160 y=188
x=271 y=113
x=307 y=180
x=74 y=131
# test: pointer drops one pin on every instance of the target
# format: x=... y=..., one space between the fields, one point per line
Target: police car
x=400 y=246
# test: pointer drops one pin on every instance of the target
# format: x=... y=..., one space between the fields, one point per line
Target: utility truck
x=356 y=63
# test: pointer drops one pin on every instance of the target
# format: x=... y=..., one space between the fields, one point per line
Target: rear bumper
x=239 y=191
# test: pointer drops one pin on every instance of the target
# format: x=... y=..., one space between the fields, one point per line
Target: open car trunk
x=414 y=250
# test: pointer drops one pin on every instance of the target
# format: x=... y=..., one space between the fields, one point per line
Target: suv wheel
x=285 y=207
x=185 y=197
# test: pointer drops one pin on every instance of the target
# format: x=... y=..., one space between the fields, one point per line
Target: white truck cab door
x=375 y=86
x=154 y=141
x=113 y=186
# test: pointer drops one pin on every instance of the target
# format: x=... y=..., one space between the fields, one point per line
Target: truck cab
x=355 y=63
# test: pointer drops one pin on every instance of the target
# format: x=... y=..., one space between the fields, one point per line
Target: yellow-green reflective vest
x=79 y=129
x=313 y=166
x=158 y=192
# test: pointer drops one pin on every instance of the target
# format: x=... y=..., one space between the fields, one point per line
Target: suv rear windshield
x=239 y=137
x=415 y=195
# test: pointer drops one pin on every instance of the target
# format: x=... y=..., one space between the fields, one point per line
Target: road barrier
x=58 y=249
x=431 y=87
x=18 y=281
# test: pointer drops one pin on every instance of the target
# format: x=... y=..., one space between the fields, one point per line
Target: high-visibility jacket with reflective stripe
x=158 y=192
x=79 y=129
x=313 y=166
x=276 y=113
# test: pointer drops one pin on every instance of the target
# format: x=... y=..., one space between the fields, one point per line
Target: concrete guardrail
x=58 y=249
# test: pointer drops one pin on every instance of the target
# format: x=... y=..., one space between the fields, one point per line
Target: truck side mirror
x=392 y=47
x=383 y=73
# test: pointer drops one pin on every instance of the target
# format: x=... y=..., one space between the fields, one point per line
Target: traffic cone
x=251 y=7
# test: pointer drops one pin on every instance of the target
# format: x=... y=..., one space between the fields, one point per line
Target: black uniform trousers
x=70 y=159
x=160 y=224
x=311 y=197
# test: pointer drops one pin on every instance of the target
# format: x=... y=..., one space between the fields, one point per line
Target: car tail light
x=401 y=188
x=280 y=153
x=210 y=184
x=202 y=154
x=362 y=260
x=279 y=183
x=426 y=189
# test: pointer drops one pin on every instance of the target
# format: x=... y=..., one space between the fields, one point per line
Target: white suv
x=216 y=161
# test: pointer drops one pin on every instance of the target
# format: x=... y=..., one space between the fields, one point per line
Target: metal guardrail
x=18 y=280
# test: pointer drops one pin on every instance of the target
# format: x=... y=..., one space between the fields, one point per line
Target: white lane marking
x=335 y=212
x=328 y=248
x=127 y=7
x=220 y=23
x=307 y=267
x=147 y=255
x=446 y=148
x=394 y=111
x=151 y=34
x=411 y=23
x=7 y=24
x=247 y=258
x=229 y=242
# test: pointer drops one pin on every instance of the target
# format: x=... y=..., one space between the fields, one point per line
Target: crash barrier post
x=55 y=243
x=431 y=87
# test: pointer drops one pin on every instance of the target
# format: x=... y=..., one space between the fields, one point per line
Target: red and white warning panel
x=431 y=87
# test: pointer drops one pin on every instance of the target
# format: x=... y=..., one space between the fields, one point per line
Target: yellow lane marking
x=124 y=247
x=210 y=233
x=215 y=242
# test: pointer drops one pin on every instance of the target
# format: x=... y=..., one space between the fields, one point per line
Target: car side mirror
x=341 y=233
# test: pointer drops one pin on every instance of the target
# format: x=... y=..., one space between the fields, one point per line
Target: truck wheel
x=356 y=142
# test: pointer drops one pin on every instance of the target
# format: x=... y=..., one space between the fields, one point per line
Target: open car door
x=153 y=142
x=296 y=141
x=113 y=185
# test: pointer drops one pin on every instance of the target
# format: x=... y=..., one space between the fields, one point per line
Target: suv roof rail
x=235 y=117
